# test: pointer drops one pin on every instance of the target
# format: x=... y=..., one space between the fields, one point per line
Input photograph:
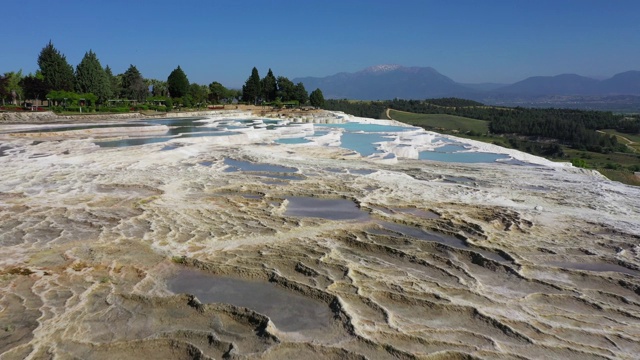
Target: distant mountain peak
x=382 y=68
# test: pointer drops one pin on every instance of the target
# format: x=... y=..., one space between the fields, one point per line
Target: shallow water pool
x=288 y=311
x=462 y=157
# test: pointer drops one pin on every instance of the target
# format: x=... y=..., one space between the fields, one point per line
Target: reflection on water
x=597 y=267
x=331 y=209
x=288 y=311
x=342 y=209
x=131 y=142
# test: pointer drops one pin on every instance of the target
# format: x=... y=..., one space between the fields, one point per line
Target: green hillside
x=441 y=121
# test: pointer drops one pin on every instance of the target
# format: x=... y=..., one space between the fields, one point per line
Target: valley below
x=229 y=244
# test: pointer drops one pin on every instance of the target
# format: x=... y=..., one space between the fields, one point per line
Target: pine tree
x=178 y=83
x=133 y=86
x=251 y=89
x=91 y=78
x=301 y=93
x=114 y=83
x=286 y=89
x=269 y=87
x=316 y=98
x=58 y=74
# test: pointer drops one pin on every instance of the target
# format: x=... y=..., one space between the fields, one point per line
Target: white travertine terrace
x=90 y=237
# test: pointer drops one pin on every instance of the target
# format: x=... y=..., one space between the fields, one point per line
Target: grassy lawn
x=441 y=121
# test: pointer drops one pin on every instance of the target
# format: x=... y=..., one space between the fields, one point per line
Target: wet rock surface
x=109 y=253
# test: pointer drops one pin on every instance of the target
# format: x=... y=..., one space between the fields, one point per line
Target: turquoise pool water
x=299 y=140
x=362 y=143
x=368 y=127
x=462 y=157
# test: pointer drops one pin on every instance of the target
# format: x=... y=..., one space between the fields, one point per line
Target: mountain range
x=384 y=82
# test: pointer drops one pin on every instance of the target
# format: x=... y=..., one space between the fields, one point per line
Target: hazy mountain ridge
x=383 y=82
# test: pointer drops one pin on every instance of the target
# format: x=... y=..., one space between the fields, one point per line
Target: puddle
x=239 y=165
x=289 y=311
x=331 y=209
x=205 y=163
x=131 y=142
x=462 y=157
x=290 y=141
x=208 y=134
x=393 y=229
x=597 y=267
x=341 y=209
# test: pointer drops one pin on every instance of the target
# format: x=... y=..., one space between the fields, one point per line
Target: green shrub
x=579 y=163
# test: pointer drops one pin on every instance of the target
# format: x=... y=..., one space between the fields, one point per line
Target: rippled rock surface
x=258 y=250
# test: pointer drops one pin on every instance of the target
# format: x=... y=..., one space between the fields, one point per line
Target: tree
x=217 y=92
x=177 y=83
x=286 y=89
x=34 y=86
x=12 y=89
x=301 y=94
x=159 y=87
x=251 y=89
x=58 y=74
x=115 y=83
x=91 y=78
x=269 y=87
x=4 y=88
x=198 y=93
x=133 y=86
x=316 y=98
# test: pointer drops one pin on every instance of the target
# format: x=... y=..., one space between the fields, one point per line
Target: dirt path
x=629 y=142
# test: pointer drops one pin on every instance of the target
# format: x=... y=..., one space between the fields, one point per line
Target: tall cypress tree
x=178 y=83
x=269 y=87
x=251 y=89
x=91 y=77
x=58 y=74
x=114 y=83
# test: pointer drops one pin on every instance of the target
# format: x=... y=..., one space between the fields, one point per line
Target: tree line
x=56 y=79
x=278 y=90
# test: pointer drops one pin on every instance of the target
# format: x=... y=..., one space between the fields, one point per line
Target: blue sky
x=470 y=41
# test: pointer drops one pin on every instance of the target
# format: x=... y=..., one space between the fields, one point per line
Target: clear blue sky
x=468 y=40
